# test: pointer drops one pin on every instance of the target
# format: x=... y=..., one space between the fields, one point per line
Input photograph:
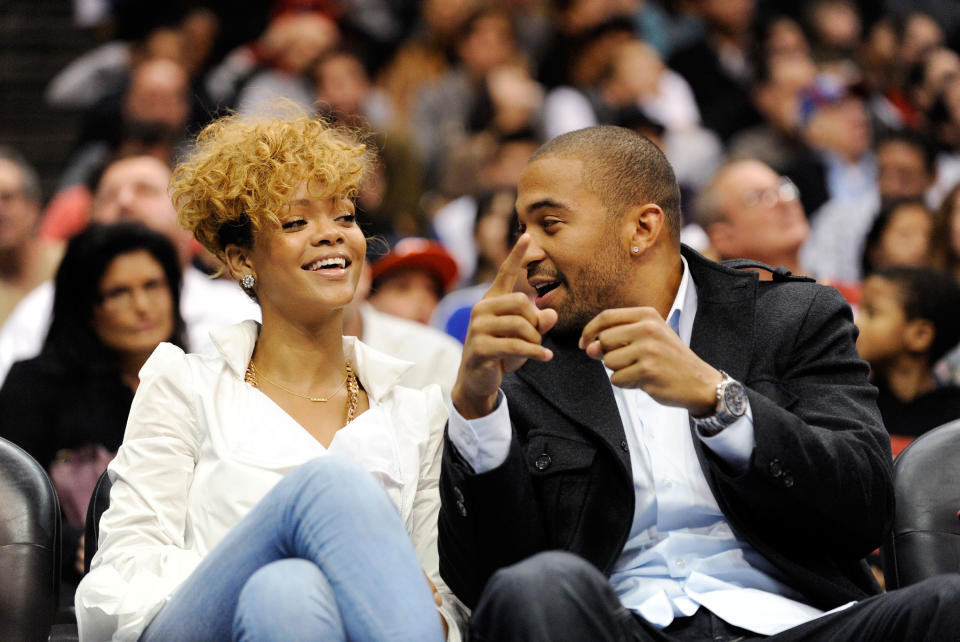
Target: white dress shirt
x=202 y=447
x=681 y=552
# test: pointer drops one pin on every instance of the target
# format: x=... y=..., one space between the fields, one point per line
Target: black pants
x=557 y=596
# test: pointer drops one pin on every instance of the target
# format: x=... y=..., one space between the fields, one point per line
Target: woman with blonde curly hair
x=286 y=488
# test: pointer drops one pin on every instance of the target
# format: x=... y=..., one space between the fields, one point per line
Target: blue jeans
x=323 y=556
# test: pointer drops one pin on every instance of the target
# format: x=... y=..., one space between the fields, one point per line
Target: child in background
x=908 y=320
x=900 y=235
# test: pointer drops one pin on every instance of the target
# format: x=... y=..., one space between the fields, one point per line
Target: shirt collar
x=684 y=308
x=378 y=372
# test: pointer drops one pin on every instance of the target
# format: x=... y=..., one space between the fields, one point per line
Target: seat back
x=29 y=546
x=925 y=539
x=99 y=502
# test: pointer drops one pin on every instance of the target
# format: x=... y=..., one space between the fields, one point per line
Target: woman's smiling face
x=313 y=259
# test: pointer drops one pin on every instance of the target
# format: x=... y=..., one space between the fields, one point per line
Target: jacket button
x=788 y=481
x=543 y=461
x=775 y=469
x=623 y=445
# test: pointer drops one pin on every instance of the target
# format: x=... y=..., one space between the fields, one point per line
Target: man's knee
x=550 y=596
x=940 y=593
x=550 y=578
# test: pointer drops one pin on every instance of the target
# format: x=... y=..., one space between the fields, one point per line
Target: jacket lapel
x=579 y=388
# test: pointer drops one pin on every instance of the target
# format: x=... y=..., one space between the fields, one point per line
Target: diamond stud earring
x=634 y=249
x=247 y=282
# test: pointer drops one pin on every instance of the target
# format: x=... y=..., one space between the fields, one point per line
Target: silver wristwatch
x=731 y=405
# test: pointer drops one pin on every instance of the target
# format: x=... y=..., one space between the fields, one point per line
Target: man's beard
x=594 y=291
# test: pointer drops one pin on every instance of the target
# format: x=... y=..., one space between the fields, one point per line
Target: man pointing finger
x=661 y=447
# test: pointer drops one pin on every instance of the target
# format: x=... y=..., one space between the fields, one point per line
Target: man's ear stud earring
x=634 y=249
x=247 y=282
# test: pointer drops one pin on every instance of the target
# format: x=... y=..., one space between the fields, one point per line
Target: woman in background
x=117 y=296
x=285 y=488
x=945 y=241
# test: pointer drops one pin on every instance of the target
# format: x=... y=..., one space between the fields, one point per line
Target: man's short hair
x=28 y=175
x=622 y=167
x=930 y=295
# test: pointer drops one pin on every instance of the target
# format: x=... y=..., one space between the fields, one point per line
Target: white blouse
x=202 y=447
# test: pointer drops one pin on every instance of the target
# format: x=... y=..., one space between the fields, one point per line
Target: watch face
x=735 y=398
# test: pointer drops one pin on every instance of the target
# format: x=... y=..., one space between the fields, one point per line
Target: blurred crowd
x=819 y=135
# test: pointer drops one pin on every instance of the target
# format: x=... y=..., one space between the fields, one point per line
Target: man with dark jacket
x=690 y=453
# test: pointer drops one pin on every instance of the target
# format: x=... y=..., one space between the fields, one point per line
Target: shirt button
x=543 y=461
x=667 y=483
x=681 y=563
x=623 y=445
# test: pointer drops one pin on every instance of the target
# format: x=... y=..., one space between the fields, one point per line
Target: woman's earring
x=247 y=282
x=633 y=249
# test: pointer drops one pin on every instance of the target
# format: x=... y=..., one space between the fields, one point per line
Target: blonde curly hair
x=238 y=179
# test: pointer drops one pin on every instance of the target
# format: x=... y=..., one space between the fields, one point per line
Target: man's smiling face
x=575 y=260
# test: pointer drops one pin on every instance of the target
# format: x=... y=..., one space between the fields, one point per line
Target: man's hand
x=505 y=330
x=644 y=352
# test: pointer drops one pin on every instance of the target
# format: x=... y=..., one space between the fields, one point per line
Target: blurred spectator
x=410 y=279
x=427 y=54
x=287 y=51
x=487 y=40
x=103 y=73
x=135 y=189
x=637 y=79
x=434 y=355
x=117 y=293
x=905 y=170
x=718 y=67
x=944 y=119
x=749 y=211
x=343 y=91
x=575 y=24
x=487 y=163
x=25 y=259
x=572 y=102
x=836 y=29
x=900 y=236
x=834 y=123
x=156 y=100
x=907 y=321
x=778 y=82
x=509 y=101
x=493 y=231
x=945 y=240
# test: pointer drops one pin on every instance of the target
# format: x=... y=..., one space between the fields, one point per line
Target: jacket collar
x=723 y=328
x=378 y=372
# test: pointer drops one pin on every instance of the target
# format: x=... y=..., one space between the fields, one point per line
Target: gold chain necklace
x=252 y=376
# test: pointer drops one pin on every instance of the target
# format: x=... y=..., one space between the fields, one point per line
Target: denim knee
x=342 y=484
x=287 y=599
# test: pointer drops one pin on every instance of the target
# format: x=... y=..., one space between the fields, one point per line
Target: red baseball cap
x=421 y=254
